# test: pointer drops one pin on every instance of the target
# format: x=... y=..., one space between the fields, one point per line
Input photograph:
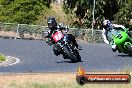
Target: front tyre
x=69 y=54
x=129 y=47
x=78 y=57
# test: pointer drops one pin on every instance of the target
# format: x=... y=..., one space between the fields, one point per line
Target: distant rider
x=106 y=26
x=53 y=27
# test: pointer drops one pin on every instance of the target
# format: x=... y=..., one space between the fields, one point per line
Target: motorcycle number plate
x=57 y=36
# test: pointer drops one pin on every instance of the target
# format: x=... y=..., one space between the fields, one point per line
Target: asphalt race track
x=37 y=56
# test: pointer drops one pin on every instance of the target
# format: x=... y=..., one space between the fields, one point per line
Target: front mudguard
x=126 y=46
x=130 y=42
x=123 y=48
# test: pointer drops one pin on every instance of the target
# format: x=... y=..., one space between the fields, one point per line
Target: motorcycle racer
x=106 y=26
x=53 y=27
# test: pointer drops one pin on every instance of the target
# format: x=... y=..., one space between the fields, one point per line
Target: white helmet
x=106 y=24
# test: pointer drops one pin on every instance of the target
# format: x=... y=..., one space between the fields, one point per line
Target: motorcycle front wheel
x=77 y=55
x=69 y=54
x=129 y=47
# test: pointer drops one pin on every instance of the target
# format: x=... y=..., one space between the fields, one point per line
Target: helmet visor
x=50 y=25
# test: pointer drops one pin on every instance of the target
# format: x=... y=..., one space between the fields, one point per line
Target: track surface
x=37 y=56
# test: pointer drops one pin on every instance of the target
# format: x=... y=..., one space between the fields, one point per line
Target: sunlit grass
x=67 y=85
x=52 y=80
x=2 y=58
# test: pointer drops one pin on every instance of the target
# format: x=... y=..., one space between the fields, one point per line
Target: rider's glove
x=48 y=40
x=50 y=43
x=66 y=29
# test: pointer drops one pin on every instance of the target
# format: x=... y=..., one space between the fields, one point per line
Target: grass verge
x=50 y=80
x=2 y=58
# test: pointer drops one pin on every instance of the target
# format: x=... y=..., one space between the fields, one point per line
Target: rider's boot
x=56 y=53
x=114 y=48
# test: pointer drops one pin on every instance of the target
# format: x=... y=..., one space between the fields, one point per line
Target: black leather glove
x=50 y=43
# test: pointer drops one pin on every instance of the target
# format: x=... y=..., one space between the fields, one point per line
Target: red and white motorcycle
x=65 y=46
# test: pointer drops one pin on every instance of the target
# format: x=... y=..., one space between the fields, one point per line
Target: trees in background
x=29 y=11
x=22 y=11
x=119 y=11
x=124 y=15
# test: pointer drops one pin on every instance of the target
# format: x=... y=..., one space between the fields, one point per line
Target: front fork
x=130 y=43
x=67 y=42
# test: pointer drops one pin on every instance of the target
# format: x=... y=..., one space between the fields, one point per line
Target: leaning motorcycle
x=65 y=46
x=122 y=40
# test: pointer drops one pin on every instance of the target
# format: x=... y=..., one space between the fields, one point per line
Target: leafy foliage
x=79 y=12
x=119 y=11
x=2 y=58
x=125 y=13
x=22 y=11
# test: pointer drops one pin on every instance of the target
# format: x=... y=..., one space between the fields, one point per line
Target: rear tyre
x=69 y=54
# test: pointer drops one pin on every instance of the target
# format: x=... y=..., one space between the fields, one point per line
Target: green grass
x=2 y=58
x=45 y=81
x=67 y=85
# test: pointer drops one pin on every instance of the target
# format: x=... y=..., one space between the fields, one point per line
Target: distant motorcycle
x=65 y=46
x=121 y=39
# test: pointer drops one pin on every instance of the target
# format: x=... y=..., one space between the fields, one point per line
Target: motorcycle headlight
x=119 y=36
x=65 y=38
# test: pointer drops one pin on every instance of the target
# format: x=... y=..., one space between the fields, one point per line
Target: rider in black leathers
x=52 y=25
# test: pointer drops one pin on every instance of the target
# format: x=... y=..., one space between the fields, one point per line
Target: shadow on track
x=68 y=62
x=125 y=55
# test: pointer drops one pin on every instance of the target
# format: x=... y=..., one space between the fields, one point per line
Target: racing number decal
x=57 y=36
